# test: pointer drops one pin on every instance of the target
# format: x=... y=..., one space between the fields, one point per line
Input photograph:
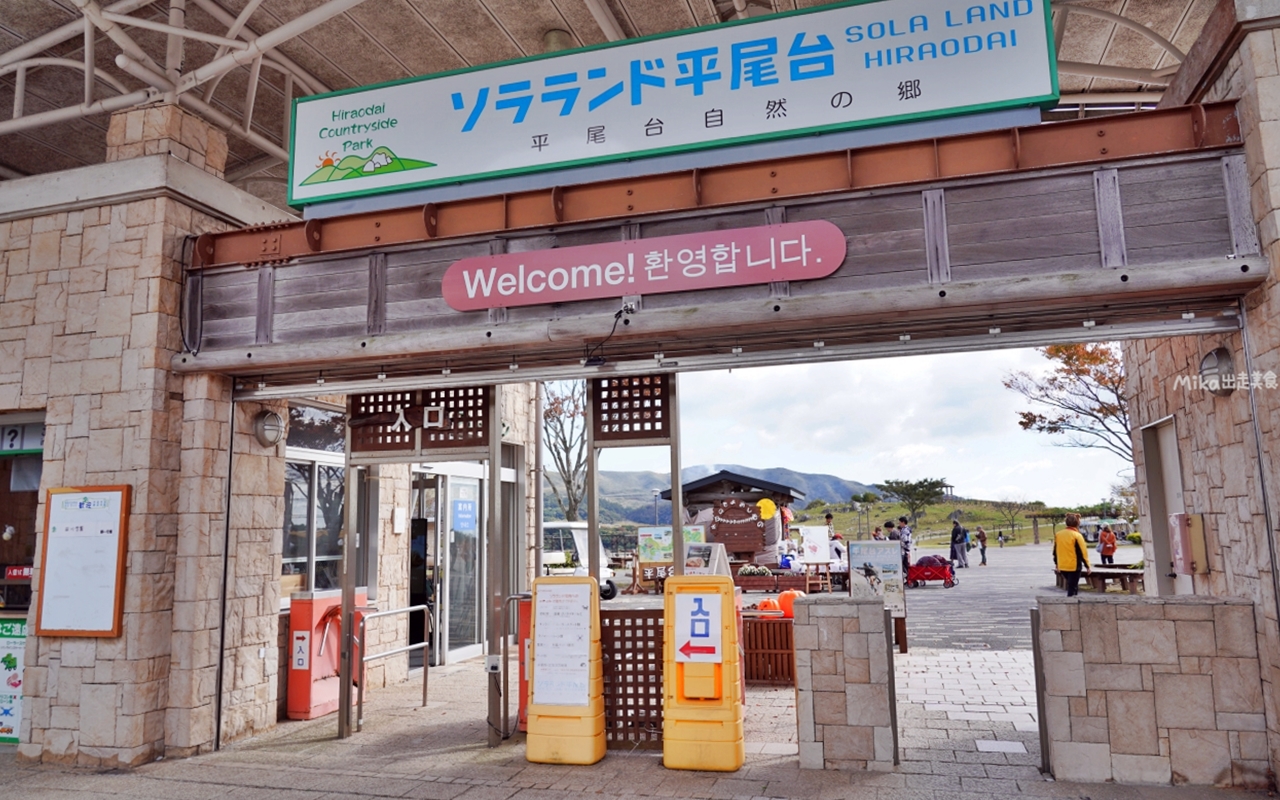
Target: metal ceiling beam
x=161 y=84
x=606 y=20
x=262 y=44
x=313 y=84
x=186 y=33
x=63 y=33
x=1109 y=98
x=1130 y=74
x=31 y=121
x=69 y=64
x=93 y=11
x=232 y=32
x=1124 y=22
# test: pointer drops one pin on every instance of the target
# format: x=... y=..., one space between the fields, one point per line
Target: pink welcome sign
x=795 y=251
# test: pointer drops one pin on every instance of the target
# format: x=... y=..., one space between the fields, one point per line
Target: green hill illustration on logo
x=380 y=162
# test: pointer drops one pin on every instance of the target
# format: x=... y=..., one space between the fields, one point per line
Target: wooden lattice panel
x=466 y=417
x=385 y=436
x=769 y=653
x=631 y=649
x=632 y=408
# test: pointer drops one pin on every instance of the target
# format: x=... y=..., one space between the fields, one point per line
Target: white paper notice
x=83 y=551
x=562 y=645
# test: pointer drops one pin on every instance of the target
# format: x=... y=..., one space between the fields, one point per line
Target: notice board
x=562 y=644
x=81 y=588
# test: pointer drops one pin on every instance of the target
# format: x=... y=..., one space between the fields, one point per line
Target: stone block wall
x=387 y=633
x=89 y=322
x=1224 y=474
x=842 y=684
x=1154 y=690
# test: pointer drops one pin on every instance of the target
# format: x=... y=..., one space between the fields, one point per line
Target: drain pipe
x=222 y=599
x=1257 y=438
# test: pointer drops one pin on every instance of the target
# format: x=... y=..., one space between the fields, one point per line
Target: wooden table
x=1130 y=580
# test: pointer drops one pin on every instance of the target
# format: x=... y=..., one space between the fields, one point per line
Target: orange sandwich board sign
x=698 y=628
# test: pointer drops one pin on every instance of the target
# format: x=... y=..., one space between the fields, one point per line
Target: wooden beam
x=1106 y=193
x=937 y=251
x=1088 y=141
x=837 y=317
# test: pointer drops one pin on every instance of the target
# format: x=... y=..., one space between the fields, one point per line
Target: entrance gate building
x=1155 y=229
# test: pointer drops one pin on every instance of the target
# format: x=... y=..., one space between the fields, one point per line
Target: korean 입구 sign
x=698 y=628
x=790 y=252
x=13 y=642
x=860 y=64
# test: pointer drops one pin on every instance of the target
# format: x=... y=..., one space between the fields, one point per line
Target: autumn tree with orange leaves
x=1081 y=399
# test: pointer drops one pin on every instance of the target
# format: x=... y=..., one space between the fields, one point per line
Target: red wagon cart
x=931 y=568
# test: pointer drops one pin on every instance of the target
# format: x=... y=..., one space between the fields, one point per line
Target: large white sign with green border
x=855 y=65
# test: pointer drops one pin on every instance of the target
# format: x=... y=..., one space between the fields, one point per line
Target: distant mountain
x=628 y=496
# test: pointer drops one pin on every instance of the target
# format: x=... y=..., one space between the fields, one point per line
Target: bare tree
x=1010 y=510
x=1084 y=395
x=564 y=428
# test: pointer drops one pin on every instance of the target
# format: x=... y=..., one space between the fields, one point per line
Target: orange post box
x=702 y=709
x=315 y=647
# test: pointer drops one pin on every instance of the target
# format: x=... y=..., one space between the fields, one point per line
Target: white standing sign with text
x=562 y=645
x=835 y=68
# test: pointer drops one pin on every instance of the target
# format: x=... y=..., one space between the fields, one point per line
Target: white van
x=564 y=545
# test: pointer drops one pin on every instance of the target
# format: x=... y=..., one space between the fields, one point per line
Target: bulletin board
x=81 y=587
x=563 y=625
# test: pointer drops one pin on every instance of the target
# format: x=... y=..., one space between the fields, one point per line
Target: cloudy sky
x=946 y=416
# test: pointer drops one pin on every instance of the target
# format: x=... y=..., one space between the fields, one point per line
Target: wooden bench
x=1130 y=580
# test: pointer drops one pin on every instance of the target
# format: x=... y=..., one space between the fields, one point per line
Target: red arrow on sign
x=687 y=649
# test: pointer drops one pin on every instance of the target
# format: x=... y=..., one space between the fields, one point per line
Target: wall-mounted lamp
x=268 y=428
x=555 y=40
x=1215 y=368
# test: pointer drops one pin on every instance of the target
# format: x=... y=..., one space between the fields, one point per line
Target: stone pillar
x=1153 y=690
x=842 y=684
x=1223 y=471
x=93 y=295
x=167 y=129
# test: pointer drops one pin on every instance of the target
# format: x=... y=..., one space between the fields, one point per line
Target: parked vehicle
x=564 y=548
x=1090 y=527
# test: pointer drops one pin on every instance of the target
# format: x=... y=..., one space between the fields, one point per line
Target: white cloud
x=946 y=416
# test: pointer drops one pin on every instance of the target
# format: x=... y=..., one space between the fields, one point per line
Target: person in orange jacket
x=1107 y=545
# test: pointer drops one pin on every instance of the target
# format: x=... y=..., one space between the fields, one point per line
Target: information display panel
x=81 y=587
x=562 y=644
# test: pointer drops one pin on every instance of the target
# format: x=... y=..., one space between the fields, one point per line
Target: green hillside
x=352 y=167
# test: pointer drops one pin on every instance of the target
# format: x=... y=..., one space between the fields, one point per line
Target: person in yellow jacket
x=1071 y=554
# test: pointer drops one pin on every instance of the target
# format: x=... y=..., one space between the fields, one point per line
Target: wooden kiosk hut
x=726 y=503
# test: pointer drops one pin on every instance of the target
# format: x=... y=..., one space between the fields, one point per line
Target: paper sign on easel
x=814 y=546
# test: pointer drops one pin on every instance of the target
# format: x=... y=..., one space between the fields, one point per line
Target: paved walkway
x=438 y=753
x=989 y=608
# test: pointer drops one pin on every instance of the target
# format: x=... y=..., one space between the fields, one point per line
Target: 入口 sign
x=860 y=64
x=739 y=257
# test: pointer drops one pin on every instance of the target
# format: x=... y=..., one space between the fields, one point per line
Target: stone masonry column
x=104 y=285
x=1223 y=472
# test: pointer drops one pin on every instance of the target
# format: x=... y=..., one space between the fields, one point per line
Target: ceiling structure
x=238 y=63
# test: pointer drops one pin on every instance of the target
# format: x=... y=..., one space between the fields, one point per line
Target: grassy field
x=934 y=525
x=932 y=529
